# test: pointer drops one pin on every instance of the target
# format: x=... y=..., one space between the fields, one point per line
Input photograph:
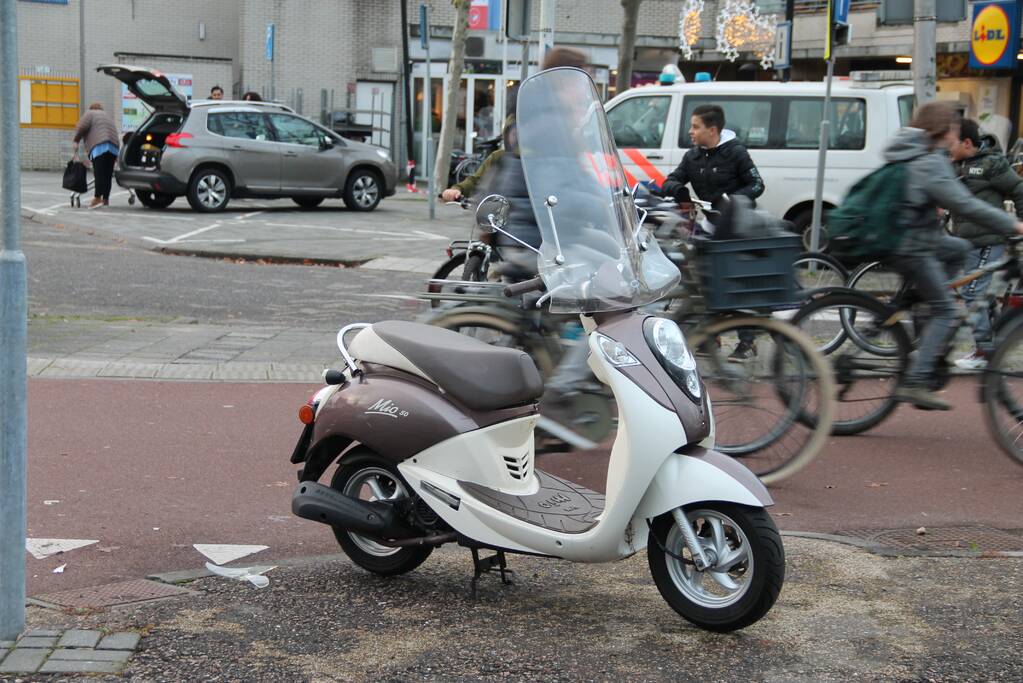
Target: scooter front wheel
x=746 y=565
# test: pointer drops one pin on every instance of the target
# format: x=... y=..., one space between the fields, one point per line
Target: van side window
x=906 y=103
x=640 y=121
x=748 y=117
x=238 y=125
x=848 y=123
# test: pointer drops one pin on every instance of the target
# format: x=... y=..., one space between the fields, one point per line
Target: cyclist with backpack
x=986 y=173
x=892 y=214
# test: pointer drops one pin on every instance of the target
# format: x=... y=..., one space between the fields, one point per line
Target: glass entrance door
x=480 y=100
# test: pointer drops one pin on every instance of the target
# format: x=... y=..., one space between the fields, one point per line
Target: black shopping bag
x=75 y=178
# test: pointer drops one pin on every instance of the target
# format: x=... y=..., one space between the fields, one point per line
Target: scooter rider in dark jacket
x=716 y=165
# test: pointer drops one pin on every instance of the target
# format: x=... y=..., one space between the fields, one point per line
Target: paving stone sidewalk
x=178 y=350
x=73 y=651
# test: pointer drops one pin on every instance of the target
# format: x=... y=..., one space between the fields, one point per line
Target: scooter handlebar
x=524 y=287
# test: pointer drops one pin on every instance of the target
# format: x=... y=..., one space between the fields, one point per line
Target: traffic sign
x=783 y=45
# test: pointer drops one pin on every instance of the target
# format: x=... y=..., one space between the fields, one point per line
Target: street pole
x=81 y=56
x=13 y=341
x=499 y=124
x=822 y=154
x=790 y=16
x=546 y=41
x=924 y=49
x=407 y=94
x=427 y=110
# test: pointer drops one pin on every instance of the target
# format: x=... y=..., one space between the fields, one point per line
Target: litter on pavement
x=253 y=575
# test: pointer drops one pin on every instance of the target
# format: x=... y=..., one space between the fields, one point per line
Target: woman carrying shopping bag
x=99 y=131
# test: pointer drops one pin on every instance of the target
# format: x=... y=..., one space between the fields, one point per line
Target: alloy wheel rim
x=211 y=191
x=365 y=190
x=729 y=577
x=372 y=484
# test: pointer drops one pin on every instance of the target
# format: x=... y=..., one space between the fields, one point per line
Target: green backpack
x=868 y=225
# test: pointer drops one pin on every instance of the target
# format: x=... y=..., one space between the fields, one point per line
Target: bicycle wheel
x=815 y=271
x=450 y=270
x=756 y=402
x=850 y=325
x=474 y=269
x=877 y=280
x=1003 y=393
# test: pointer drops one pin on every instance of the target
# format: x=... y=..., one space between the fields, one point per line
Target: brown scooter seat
x=481 y=376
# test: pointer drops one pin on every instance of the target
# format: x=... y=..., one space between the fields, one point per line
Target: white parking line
x=176 y=218
x=179 y=238
x=35 y=210
x=308 y=226
x=221 y=240
x=249 y=215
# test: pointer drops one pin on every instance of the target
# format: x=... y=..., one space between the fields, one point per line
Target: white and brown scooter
x=432 y=431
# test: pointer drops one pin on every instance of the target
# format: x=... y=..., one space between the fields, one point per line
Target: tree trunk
x=627 y=46
x=447 y=129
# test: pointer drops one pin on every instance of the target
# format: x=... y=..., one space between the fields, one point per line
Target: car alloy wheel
x=365 y=190
x=211 y=191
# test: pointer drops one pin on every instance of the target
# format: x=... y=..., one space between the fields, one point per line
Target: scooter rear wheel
x=372 y=478
x=747 y=565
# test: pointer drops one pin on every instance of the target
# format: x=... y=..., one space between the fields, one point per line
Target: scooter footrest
x=559 y=505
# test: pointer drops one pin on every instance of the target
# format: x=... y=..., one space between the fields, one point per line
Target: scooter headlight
x=667 y=341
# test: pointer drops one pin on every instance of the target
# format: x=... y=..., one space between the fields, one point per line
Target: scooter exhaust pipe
x=325 y=505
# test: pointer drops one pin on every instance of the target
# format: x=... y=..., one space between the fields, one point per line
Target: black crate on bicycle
x=753 y=273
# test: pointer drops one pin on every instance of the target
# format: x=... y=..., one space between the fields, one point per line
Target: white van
x=779 y=123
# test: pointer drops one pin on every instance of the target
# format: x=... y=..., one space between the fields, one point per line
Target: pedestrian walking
x=216 y=93
x=99 y=131
x=251 y=96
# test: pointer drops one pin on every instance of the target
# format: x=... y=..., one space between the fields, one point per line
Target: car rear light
x=177 y=139
x=1015 y=301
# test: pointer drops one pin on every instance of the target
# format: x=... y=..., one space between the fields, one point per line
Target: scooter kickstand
x=485 y=565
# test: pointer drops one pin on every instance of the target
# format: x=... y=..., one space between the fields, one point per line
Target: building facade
x=346 y=55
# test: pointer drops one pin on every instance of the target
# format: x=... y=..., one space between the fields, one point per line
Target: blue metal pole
x=13 y=341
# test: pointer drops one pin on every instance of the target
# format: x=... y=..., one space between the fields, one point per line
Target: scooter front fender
x=694 y=475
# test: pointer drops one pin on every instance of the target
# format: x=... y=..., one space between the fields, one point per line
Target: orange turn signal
x=306 y=414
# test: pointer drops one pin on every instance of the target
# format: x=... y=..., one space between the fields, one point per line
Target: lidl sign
x=994 y=40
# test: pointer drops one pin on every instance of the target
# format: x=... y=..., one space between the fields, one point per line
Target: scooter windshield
x=591 y=258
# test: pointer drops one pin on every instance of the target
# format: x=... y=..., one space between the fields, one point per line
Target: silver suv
x=212 y=150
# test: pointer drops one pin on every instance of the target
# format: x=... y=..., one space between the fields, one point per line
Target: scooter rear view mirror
x=492 y=213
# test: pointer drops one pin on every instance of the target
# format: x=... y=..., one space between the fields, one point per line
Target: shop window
x=48 y=102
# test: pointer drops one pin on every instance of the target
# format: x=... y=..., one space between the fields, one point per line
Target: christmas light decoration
x=741 y=27
x=690 y=24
